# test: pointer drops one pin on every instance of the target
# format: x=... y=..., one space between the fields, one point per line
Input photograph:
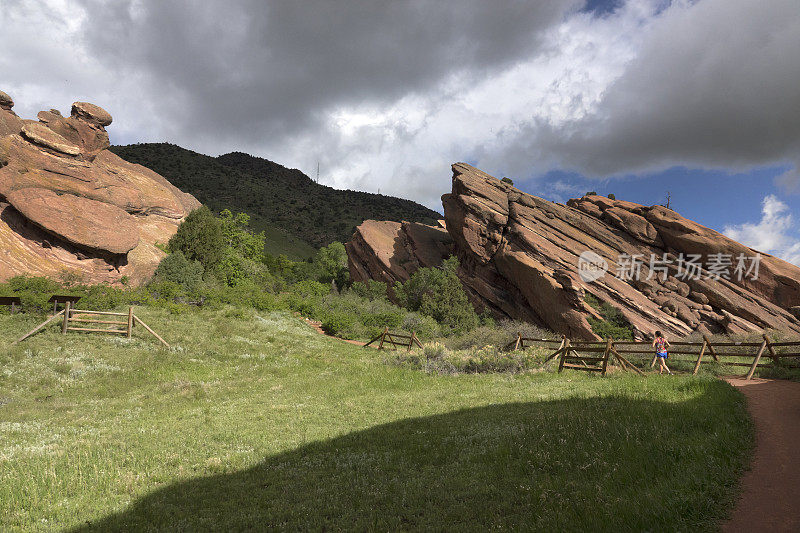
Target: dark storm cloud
x=386 y=94
x=233 y=69
x=714 y=85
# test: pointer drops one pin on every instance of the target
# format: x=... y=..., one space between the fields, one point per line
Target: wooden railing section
x=83 y=320
x=387 y=337
x=572 y=353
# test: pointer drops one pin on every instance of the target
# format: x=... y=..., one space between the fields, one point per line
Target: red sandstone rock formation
x=69 y=206
x=519 y=259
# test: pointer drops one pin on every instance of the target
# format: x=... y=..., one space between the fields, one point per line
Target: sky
x=697 y=99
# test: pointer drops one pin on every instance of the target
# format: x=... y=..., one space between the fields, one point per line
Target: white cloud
x=406 y=146
x=713 y=85
x=775 y=233
x=386 y=95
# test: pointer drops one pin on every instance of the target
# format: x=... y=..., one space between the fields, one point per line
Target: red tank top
x=661 y=344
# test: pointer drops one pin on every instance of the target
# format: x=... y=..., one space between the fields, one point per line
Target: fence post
x=66 y=318
x=625 y=363
x=130 y=322
x=711 y=348
x=606 y=354
x=699 y=358
x=415 y=339
x=564 y=353
x=756 y=360
x=771 y=350
x=411 y=341
x=519 y=339
x=37 y=328
x=383 y=336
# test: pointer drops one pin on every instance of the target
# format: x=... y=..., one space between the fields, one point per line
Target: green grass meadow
x=256 y=422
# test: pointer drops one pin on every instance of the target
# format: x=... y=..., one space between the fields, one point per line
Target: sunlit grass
x=255 y=421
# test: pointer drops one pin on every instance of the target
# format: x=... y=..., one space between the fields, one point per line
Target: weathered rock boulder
x=74 y=219
x=519 y=258
x=6 y=103
x=391 y=251
x=68 y=206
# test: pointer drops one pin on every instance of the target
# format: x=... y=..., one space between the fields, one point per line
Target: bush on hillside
x=437 y=358
x=500 y=334
x=438 y=293
x=200 y=238
x=371 y=289
x=177 y=269
x=238 y=237
x=33 y=292
x=328 y=265
x=613 y=323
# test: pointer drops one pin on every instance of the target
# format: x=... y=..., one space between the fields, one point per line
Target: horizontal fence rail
x=83 y=321
x=570 y=353
x=387 y=337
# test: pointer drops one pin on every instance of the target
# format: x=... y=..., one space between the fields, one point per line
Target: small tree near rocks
x=438 y=293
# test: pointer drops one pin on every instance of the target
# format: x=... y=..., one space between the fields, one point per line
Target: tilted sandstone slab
x=68 y=206
x=519 y=259
x=74 y=219
x=391 y=251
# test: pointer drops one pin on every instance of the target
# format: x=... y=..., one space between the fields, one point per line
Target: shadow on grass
x=608 y=463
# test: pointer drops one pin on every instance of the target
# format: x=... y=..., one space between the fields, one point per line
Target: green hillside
x=297 y=214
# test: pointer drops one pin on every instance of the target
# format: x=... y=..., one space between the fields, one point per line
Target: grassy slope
x=255 y=422
x=285 y=202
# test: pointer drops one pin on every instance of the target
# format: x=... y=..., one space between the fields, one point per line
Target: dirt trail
x=770 y=499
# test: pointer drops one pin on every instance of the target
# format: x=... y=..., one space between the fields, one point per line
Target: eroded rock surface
x=68 y=206
x=391 y=251
x=519 y=258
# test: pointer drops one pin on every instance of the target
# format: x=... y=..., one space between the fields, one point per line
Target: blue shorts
x=662 y=354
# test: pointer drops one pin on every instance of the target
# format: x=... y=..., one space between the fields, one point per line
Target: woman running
x=660 y=343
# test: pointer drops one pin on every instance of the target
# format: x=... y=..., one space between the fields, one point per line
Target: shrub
x=331 y=265
x=165 y=291
x=438 y=358
x=508 y=180
x=200 y=238
x=232 y=269
x=499 y=335
x=100 y=297
x=613 y=322
x=438 y=293
x=306 y=295
x=341 y=324
x=33 y=292
x=176 y=268
x=239 y=238
x=424 y=326
x=371 y=290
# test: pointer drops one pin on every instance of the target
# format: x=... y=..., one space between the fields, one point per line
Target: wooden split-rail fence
x=83 y=320
x=572 y=354
x=395 y=339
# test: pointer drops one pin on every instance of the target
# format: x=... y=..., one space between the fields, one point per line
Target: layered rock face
x=69 y=207
x=391 y=251
x=519 y=258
